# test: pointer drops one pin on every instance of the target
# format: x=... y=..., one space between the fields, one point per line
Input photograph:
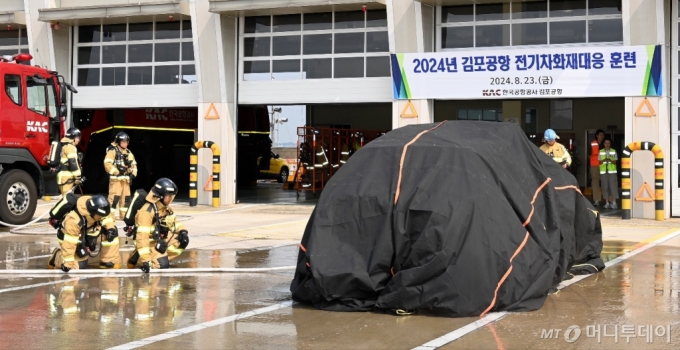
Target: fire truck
x=32 y=113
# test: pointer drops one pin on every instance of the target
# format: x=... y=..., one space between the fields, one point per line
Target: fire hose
x=15 y=227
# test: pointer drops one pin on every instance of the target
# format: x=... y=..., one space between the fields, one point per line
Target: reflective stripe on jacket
x=608 y=167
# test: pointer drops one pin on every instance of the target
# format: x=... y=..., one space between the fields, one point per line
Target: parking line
x=493 y=317
x=201 y=326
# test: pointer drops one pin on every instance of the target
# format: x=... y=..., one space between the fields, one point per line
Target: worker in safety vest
x=555 y=149
x=595 y=147
x=80 y=233
x=610 y=181
x=159 y=237
x=121 y=166
x=69 y=173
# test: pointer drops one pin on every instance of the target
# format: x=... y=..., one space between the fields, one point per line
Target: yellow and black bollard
x=193 y=172
x=658 y=178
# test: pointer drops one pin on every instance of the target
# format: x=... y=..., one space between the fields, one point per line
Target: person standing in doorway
x=595 y=147
x=610 y=181
x=121 y=166
x=555 y=149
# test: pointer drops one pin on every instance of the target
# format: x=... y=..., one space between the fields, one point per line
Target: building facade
x=181 y=59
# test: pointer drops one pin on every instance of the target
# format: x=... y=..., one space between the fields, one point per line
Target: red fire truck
x=32 y=112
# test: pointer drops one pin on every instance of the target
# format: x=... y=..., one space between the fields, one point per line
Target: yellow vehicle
x=278 y=169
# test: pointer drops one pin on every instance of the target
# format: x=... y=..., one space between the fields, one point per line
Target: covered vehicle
x=460 y=217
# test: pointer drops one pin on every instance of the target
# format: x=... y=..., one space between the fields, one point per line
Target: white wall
x=77 y=3
x=11 y=5
x=140 y=96
x=315 y=91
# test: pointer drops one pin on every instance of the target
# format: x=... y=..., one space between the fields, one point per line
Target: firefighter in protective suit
x=80 y=232
x=555 y=149
x=121 y=166
x=159 y=237
x=69 y=174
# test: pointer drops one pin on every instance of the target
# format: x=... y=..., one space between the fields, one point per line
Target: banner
x=615 y=71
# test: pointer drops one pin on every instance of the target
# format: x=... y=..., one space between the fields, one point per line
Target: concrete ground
x=640 y=288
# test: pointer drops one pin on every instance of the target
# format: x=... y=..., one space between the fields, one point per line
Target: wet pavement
x=273 y=193
x=254 y=311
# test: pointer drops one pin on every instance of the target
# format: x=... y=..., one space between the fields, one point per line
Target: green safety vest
x=608 y=167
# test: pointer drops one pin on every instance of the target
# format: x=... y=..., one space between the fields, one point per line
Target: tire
x=283 y=176
x=18 y=197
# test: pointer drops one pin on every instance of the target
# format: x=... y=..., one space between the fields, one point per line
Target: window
x=52 y=99
x=13 y=88
x=530 y=22
x=329 y=45
x=37 y=101
x=158 y=53
x=13 y=42
x=488 y=114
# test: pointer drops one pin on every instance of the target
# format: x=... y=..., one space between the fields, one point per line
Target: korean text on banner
x=529 y=73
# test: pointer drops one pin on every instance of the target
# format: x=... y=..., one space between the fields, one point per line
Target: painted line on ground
x=29 y=258
x=460 y=332
x=201 y=326
x=493 y=317
x=41 y=284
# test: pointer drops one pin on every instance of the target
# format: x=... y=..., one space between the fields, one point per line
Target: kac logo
x=36 y=126
x=491 y=92
x=156 y=114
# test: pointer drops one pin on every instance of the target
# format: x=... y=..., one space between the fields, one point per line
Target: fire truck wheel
x=283 y=176
x=18 y=197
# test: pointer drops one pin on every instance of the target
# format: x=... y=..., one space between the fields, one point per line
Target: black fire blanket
x=460 y=217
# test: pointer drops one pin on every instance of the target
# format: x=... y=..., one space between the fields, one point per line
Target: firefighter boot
x=132 y=260
x=50 y=263
x=108 y=265
x=110 y=254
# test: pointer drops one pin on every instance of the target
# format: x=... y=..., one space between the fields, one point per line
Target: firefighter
x=80 y=232
x=69 y=174
x=159 y=237
x=121 y=166
x=555 y=149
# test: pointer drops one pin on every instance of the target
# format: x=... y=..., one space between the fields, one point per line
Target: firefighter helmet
x=98 y=205
x=122 y=136
x=73 y=133
x=163 y=187
x=550 y=135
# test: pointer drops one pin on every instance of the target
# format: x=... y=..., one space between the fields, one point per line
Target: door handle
x=30 y=136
